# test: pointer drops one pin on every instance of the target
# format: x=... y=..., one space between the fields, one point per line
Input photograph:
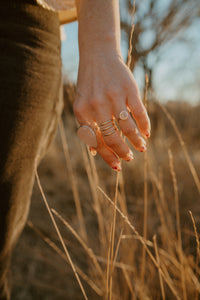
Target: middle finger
x=112 y=138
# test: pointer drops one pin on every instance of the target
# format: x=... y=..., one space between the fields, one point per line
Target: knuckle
x=136 y=131
x=95 y=102
x=79 y=109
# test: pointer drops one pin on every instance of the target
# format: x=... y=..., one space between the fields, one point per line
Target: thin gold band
x=109 y=133
x=105 y=123
x=107 y=127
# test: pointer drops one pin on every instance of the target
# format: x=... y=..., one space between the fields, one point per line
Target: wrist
x=99 y=42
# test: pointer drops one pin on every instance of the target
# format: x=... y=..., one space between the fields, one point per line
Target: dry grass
x=102 y=220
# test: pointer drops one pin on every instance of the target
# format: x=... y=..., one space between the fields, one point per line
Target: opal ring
x=122 y=116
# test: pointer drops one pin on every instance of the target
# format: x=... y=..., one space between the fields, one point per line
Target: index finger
x=139 y=112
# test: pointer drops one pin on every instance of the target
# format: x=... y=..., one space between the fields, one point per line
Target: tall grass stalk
x=97 y=207
x=117 y=248
x=99 y=201
x=73 y=182
x=108 y=266
x=163 y=253
x=166 y=221
x=131 y=37
x=155 y=187
x=62 y=254
x=88 y=250
x=198 y=250
x=60 y=236
x=128 y=281
x=113 y=237
x=182 y=143
x=178 y=223
x=118 y=265
x=121 y=194
x=159 y=268
x=140 y=238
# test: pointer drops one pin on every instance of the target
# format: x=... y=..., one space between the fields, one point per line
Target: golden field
x=154 y=250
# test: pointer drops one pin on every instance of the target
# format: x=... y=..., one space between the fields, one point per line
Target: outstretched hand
x=105 y=88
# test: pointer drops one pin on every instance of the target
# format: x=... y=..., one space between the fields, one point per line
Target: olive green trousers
x=30 y=106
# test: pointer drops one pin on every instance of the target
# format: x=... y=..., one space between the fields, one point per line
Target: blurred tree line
x=156 y=23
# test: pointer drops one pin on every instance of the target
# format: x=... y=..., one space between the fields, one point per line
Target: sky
x=176 y=74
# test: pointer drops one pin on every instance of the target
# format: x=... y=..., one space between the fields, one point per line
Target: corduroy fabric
x=30 y=106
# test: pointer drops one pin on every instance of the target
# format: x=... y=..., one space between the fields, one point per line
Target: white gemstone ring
x=123 y=115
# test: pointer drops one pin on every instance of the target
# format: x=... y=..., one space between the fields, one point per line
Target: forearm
x=99 y=24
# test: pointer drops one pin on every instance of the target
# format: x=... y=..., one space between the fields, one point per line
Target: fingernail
x=117 y=167
x=143 y=148
x=148 y=133
x=129 y=156
x=93 y=152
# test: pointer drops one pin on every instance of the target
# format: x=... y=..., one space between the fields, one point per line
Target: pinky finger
x=110 y=158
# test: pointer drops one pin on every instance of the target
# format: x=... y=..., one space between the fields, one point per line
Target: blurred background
x=166 y=45
x=157 y=232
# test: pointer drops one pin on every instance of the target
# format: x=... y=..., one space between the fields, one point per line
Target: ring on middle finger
x=107 y=127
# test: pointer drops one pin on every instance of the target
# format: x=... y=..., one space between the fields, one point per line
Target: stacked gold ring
x=107 y=127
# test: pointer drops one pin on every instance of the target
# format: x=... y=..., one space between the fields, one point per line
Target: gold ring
x=107 y=127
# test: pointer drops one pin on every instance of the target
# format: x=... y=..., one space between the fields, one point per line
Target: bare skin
x=105 y=85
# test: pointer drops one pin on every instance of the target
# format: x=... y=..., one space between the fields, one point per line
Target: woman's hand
x=105 y=88
x=105 y=85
